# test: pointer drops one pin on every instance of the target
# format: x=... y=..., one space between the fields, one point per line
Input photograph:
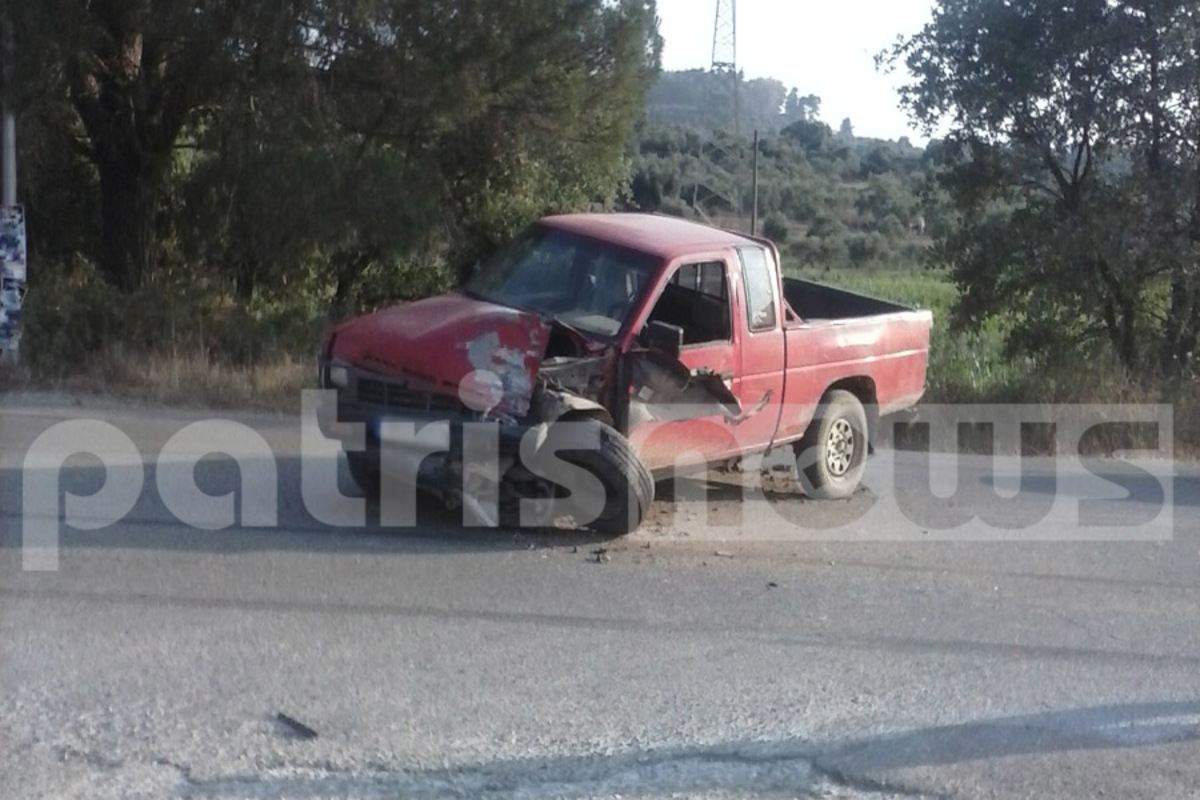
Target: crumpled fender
x=485 y=354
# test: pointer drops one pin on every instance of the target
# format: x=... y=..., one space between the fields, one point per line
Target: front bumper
x=370 y=399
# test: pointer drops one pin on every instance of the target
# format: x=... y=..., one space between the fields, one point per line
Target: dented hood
x=439 y=342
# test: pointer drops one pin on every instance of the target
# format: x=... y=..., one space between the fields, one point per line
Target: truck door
x=763 y=347
x=699 y=298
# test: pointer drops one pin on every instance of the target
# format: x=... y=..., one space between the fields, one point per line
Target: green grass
x=964 y=366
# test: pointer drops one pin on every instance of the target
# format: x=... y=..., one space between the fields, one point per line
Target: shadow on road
x=150 y=524
x=865 y=763
x=1136 y=484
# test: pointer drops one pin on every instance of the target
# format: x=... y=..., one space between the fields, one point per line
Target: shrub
x=68 y=316
x=891 y=227
x=775 y=228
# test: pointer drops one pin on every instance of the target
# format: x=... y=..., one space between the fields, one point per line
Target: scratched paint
x=858 y=335
x=515 y=367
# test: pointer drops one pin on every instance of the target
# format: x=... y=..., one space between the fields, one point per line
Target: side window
x=760 y=288
x=686 y=276
x=712 y=280
x=696 y=298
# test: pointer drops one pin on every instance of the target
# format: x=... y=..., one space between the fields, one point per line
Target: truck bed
x=814 y=301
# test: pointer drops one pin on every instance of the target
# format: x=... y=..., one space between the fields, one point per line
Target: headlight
x=339 y=377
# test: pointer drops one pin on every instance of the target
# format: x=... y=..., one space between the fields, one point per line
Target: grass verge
x=190 y=380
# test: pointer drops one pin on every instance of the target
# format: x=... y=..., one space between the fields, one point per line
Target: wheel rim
x=839 y=448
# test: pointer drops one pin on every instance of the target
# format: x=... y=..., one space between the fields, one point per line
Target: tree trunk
x=1128 y=350
x=244 y=279
x=348 y=267
x=128 y=204
x=1182 y=328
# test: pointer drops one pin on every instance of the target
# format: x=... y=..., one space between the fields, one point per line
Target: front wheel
x=832 y=456
x=627 y=485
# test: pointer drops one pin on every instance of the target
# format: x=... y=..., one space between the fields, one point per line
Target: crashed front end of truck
x=514 y=396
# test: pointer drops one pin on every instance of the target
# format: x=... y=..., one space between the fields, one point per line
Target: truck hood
x=486 y=354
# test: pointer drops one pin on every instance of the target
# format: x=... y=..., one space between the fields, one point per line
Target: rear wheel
x=627 y=484
x=832 y=456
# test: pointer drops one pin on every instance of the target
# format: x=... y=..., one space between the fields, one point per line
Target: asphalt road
x=777 y=648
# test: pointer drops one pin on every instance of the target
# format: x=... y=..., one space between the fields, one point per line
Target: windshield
x=587 y=284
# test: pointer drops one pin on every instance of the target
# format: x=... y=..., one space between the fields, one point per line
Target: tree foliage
x=831 y=203
x=341 y=145
x=704 y=101
x=1073 y=163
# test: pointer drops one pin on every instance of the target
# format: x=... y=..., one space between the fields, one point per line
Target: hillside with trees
x=830 y=199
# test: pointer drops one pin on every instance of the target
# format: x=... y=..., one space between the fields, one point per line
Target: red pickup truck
x=665 y=344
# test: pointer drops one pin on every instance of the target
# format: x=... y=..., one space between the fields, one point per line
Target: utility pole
x=13 y=253
x=8 y=119
x=754 y=207
x=8 y=131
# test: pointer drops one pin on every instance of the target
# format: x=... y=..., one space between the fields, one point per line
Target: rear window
x=760 y=288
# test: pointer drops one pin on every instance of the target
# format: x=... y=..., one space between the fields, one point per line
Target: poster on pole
x=13 y=254
x=12 y=242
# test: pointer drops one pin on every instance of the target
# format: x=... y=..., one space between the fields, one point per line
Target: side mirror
x=664 y=337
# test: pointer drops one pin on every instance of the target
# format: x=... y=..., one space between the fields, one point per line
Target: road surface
x=848 y=654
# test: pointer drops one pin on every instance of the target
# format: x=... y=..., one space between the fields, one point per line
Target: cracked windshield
x=581 y=282
x=597 y=399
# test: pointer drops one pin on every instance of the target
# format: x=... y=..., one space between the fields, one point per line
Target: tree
x=136 y=72
x=1073 y=161
x=348 y=132
x=812 y=137
x=885 y=195
x=695 y=98
x=775 y=228
x=806 y=108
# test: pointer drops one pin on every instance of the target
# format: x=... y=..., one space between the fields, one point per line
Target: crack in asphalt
x=673 y=773
x=67 y=753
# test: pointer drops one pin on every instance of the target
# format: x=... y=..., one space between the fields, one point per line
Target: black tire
x=364 y=471
x=832 y=456
x=628 y=485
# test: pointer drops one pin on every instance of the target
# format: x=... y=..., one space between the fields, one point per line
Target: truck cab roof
x=653 y=234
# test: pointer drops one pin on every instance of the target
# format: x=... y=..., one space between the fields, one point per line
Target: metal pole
x=8 y=132
x=13 y=267
x=754 y=207
x=8 y=120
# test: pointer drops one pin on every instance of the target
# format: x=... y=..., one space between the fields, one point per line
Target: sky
x=826 y=48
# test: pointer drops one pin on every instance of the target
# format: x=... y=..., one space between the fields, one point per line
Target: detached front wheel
x=832 y=456
x=628 y=488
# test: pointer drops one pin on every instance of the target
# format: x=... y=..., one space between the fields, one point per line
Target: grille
x=394 y=395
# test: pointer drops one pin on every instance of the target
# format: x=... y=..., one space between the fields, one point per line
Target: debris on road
x=297 y=727
x=601 y=555
x=723 y=554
